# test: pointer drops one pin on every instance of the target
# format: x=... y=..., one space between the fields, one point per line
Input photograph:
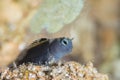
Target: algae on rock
x=54 y=14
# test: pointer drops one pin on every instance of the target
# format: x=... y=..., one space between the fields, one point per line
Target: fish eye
x=64 y=41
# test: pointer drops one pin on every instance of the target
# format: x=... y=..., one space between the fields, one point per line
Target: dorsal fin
x=37 y=42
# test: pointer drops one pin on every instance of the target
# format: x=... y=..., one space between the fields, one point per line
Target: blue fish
x=45 y=50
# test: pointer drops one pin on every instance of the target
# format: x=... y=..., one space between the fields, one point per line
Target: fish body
x=44 y=50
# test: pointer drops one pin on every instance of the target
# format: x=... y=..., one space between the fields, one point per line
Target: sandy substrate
x=56 y=71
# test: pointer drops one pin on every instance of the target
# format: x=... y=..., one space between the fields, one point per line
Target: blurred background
x=94 y=25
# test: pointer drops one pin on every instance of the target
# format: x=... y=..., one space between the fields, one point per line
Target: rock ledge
x=58 y=71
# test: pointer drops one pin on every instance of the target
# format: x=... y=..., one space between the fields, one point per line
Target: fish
x=44 y=50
